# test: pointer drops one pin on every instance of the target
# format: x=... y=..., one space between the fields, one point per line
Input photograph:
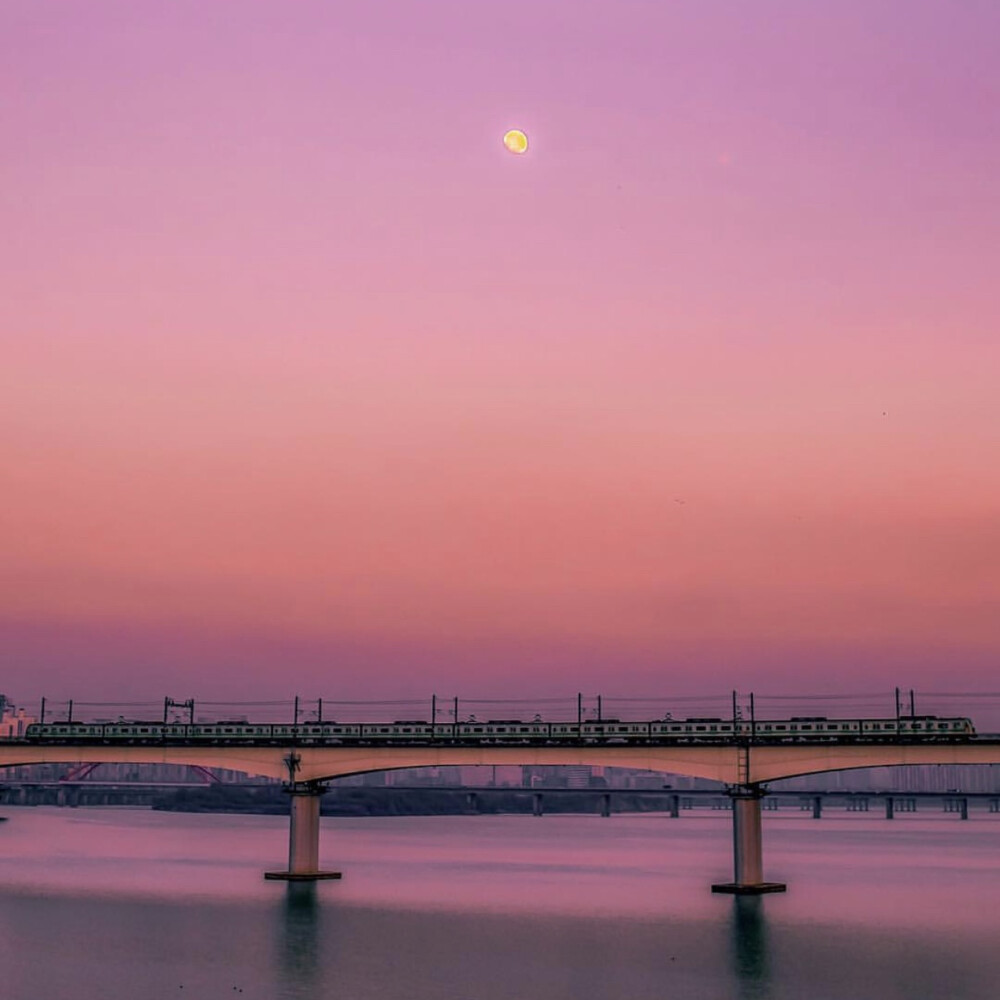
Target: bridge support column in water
x=303 y=835
x=748 y=864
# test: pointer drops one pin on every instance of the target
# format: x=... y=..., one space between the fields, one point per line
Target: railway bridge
x=744 y=767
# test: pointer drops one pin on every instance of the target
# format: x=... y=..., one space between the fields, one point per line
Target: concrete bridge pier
x=748 y=863
x=303 y=835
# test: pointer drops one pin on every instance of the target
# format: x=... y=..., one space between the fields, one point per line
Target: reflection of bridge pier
x=748 y=861
x=750 y=960
x=299 y=939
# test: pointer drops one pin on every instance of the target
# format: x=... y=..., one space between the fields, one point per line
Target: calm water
x=107 y=903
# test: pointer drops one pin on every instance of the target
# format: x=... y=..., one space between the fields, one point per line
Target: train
x=812 y=729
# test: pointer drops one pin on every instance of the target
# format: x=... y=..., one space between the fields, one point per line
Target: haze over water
x=100 y=903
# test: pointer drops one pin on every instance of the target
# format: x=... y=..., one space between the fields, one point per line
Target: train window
x=806 y=729
x=676 y=729
x=781 y=728
x=699 y=729
x=477 y=729
x=767 y=729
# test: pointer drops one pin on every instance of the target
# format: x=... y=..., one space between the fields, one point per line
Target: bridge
x=743 y=766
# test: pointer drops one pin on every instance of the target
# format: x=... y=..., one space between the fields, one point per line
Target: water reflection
x=749 y=948
x=299 y=937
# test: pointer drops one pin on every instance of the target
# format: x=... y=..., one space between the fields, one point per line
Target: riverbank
x=354 y=801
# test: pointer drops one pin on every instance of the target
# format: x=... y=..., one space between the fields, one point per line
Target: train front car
x=931 y=728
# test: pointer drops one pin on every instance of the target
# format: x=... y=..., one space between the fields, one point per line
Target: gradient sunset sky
x=309 y=385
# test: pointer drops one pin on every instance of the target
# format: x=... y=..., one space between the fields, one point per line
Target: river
x=102 y=904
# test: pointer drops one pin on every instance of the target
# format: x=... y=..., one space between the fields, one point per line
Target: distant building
x=13 y=722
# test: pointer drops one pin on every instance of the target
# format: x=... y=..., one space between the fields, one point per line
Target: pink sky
x=308 y=385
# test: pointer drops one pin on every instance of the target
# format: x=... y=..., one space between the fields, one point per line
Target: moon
x=516 y=141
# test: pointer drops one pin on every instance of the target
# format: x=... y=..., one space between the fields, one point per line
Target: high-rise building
x=13 y=722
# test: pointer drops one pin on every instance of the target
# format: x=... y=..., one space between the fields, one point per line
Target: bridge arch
x=775 y=763
x=726 y=764
x=719 y=763
x=250 y=760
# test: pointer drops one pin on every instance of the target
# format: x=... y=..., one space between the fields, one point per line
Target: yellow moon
x=516 y=141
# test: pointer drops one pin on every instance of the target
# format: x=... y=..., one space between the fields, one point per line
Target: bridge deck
x=732 y=763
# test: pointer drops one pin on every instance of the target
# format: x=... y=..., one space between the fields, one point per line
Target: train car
x=505 y=731
x=65 y=732
x=931 y=727
x=401 y=731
